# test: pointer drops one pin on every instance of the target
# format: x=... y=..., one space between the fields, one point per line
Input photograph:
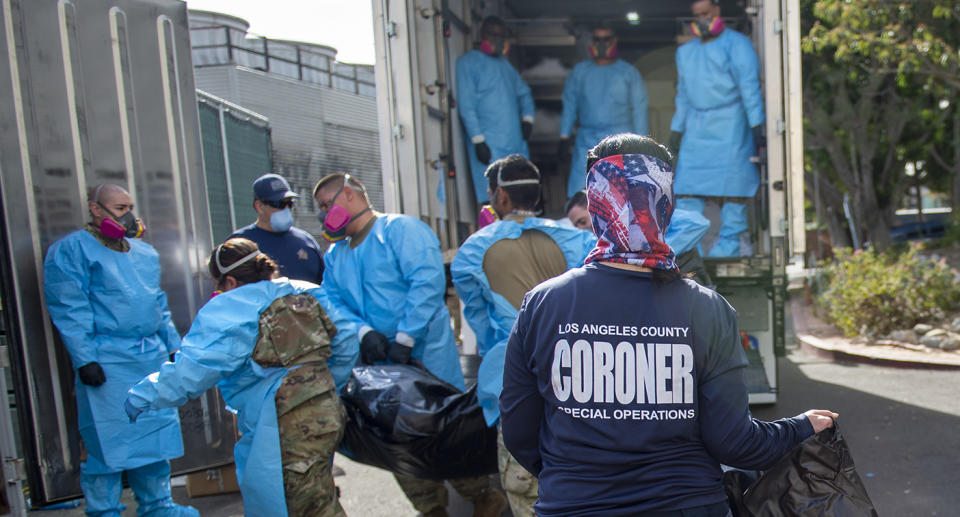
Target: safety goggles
x=279 y=205
x=605 y=39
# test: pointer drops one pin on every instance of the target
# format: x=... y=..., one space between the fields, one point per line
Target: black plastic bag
x=404 y=419
x=816 y=478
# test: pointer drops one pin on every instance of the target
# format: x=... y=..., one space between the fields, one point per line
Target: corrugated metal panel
x=315 y=130
x=236 y=151
x=98 y=91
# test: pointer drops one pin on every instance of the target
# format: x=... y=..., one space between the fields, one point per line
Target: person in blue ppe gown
x=493 y=270
x=386 y=273
x=718 y=125
x=279 y=353
x=495 y=104
x=102 y=288
x=606 y=96
x=684 y=234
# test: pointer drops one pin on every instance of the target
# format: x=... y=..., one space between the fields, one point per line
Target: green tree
x=880 y=80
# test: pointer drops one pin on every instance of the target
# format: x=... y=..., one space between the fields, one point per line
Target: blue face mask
x=281 y=220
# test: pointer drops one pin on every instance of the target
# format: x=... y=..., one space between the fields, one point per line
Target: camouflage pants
x=520 y=485
x=426 y=494
x=309 y=433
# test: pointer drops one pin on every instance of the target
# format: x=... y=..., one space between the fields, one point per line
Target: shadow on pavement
x=905 y=454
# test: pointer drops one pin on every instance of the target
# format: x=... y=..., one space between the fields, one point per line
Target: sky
x=346 y=25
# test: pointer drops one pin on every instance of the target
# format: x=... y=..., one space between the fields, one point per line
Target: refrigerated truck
x=425 y=168
x=97 y=91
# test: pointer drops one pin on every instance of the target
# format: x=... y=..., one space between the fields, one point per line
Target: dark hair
x=578 y=199
x=603 y=26
x=516 y=167
x=491 y=21
x=260 y=267
x=629 y=143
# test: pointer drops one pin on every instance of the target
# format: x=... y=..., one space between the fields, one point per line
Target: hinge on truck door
x=781 y=126
x=15 y=468
x=398 y=131
x=777 y=26
x=391 y=29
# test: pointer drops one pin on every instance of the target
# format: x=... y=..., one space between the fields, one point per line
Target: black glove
x=173 y=357
x=91 y=374
x=526 y=128
x=373 y=347
x=759 y=138
x=483 y=152
x=400 y=354
x=564 y=149
x=674 y=143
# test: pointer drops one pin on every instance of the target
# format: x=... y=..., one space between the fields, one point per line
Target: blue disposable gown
x=606 y=100
x=492 y=100
x=217 y=351
x=718 y=101
x=109 y=308
x=687 y=228
x=394 y=282
x=489 y=314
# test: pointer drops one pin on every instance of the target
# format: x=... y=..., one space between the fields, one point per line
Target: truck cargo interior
x=549 y=38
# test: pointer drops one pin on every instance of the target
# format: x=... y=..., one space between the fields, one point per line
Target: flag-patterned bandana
x=631 y=202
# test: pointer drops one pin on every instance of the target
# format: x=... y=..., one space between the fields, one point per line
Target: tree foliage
x=880 y=84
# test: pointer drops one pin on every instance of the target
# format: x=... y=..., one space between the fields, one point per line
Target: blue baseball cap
x=272 y=187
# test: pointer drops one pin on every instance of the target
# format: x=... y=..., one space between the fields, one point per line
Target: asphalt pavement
x=902 y=425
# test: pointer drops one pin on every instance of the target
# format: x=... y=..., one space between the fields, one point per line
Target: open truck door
x=419 y=41
x=93 y=92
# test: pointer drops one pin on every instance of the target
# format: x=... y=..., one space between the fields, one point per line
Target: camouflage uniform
x=520 y=485
x=295 y=332
x=428 y=495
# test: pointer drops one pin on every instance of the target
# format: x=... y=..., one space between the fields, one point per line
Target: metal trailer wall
x=236 y=151
x=94 y=92
x=321 y=122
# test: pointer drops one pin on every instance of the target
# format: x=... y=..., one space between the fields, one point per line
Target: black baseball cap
x=272 y=187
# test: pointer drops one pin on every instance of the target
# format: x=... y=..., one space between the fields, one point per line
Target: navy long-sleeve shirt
x=295 y=251
x=624 y=396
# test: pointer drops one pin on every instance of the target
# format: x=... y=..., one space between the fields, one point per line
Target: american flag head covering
x=631 y=202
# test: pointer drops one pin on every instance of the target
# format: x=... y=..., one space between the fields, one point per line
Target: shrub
x=873 y=293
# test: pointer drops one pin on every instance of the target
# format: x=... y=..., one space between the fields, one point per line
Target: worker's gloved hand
x=564 y=149
x=91 y=374
x=674 y=143
x=132 y=412
x=373 y=347
x=483 y=152
x=173 y=357
x=759 y=138
x=400 y=354
x=526 y=129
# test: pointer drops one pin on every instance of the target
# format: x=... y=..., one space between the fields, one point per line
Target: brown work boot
x=437 y=512
x=491 y=504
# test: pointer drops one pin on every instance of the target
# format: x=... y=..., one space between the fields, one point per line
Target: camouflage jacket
x=295 y=331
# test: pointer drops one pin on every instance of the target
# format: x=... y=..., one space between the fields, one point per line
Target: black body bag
x=404 y=419
x=816 y=478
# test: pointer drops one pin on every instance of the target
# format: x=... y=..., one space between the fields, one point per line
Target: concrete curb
x=843 y=349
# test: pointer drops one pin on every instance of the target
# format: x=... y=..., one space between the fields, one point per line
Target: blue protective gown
x=606 y=100
x=489 y=314
x=217 y=351
x=718 y=101
x=109 y=308
x=492 y=100
x=686 y=229
x=394 y=281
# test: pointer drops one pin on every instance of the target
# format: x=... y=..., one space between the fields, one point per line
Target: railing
x=215 y=45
